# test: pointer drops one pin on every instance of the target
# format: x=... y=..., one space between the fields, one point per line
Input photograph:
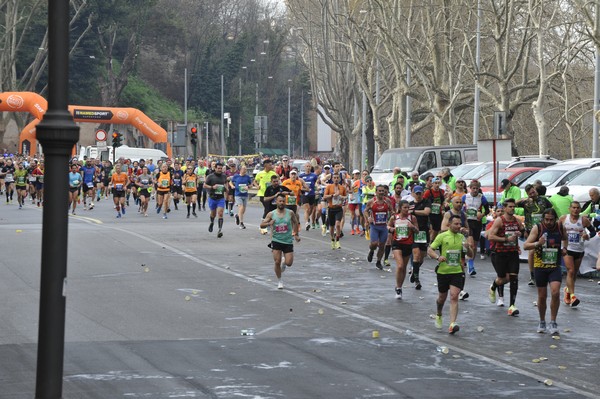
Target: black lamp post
x=57 y=133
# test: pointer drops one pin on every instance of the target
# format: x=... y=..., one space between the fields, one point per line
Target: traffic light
x=194 y=135
x=117 y=139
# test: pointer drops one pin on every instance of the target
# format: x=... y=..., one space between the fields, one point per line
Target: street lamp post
x=58 y=133
x=289 y=118
x=223 y=149
x=302 y=126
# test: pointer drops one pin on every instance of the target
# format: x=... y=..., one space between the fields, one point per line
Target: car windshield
x=463 y=169
x=546 y=176
x=405 y=159
x=488 y=180
x=482 y=169
x=590 y=177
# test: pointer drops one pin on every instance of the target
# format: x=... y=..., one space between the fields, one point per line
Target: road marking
x=400 y=327
x=96 y=221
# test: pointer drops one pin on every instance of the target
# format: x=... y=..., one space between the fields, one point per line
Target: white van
x=133 y=153
x=420 y=159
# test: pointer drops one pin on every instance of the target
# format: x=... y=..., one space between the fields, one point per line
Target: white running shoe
x=500 y=301
x=280 y=285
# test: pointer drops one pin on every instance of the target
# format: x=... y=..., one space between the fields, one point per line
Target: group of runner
x=438 y=216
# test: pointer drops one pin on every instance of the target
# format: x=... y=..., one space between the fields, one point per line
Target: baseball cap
x=436 y=180
x=418 y=189
x=294 y=171
x=327 y=167
x=355 y=171
x=504 y=183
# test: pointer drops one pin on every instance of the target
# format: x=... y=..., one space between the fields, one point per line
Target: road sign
x=101 y=135
x=101 y=145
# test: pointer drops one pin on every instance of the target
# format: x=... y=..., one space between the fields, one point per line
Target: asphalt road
x=156 y=309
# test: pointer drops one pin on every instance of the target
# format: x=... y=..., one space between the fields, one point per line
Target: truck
x=124 y=151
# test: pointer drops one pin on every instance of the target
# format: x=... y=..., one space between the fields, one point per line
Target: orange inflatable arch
x=36 y=105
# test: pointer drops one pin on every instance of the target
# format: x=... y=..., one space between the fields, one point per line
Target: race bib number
x=119 y=187
x=32 y=179
x=177 y=182
x=370 y=195
x=144 y=183
x=336 y=201
x=190 y=183
x=201 y=178
x=164 y=183
x=401 y=229
x=21 y=180
x=90 y=184
x=421 y=237
x=243 y=188
x=435 y=209
x=453 y=257
x=9 y=177
x=536 y=218
x=549 y=256
x=291 y=200
x=380 y=217
x=511 y=243
x=75 y=183
x=219 y=189
x=281 y=228
x=41 y=178
x=574 y=238
x=472 y=213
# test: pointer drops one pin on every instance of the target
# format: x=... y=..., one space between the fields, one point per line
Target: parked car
x=515 y=175
x=299 y=164
x=580 y=186
x=562 y=173
x=465 y=168
x=525 y=161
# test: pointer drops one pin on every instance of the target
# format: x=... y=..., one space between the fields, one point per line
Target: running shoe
x=118 y=215
x=386 y=262
x=553 y=328
x=482 y=257
x=165 y=216
x=323 y=230
x=453 y=328
x=418 y=285
x=174 y=203
x=338 y=245
x=21 y=206
x=219 y=234
x=492 y=294
x=231 y=213
x=412 y=276
x=280 y=285
x=332 y=244
x=513 y=311
x=531 y=283
x=307 y=226
x=314 y=226
x=352 y=232
x=398 y=293
x=438 y=321
x=541 y=327
x=91 y=206
x=188 y=216
x=472 y=271
x=237 y=219
x=242 y=226
x=370 y=255
x=123 y=210
x=463 y=295
x=574 y=301
x=157 y=210
x=264 y=231
x=567 y=296
x=194 y=213
x=500 y=302
x=378 y=265
x=210 y=227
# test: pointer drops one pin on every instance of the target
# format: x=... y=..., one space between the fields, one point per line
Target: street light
x=289 y=150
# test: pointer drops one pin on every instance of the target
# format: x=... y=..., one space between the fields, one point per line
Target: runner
x=262 y=180
x=505 y=232
x=476 y=207
x=323 y=181
x=368 y=192
x=31 y=178
x=21 y=183
x=74 y=186
x=421 y=208
x=545 y=240
x=176 y=188
x=403 y=226
x=190 y=184
x=533 y=206
x=200 y=171
x=456 y=209
x=285 y=228
x=576 y=227
x=354 y=201
x=164 y=182
x=296 y=186
x=240 y=183
x=7 y=173
x=230 y=172
x=378 y=212
x=144 y=184
x=38 y=173
x=119 y=182
x=335 y=194
x=498 y=212
x=450 y=270
x=437 y=197
x=88 y=172
x=308 y=200
x=216 y=184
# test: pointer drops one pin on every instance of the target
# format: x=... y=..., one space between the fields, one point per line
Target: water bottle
x=545 y=240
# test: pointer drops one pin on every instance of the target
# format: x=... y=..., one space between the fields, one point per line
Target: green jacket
x=513 y=192
x=561 y=203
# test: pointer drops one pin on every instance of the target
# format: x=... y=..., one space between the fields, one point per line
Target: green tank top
x=282 y=228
